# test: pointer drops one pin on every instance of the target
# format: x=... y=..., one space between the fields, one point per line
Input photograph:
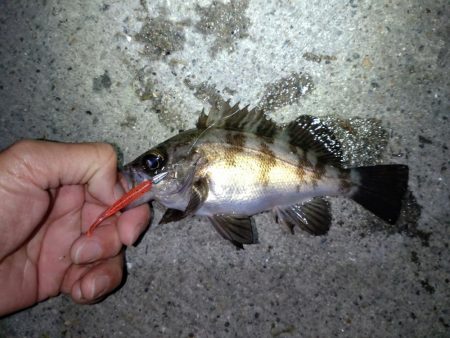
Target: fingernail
x=88 y=252
x=141 y=227
x=135 y=235
x=100 y=286
x=76 y=292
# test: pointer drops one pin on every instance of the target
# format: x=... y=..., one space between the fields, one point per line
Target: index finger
x=50 y=164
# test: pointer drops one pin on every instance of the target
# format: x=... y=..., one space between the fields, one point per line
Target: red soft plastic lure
x=124 y=201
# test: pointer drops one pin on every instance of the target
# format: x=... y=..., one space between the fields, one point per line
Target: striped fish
x=237 y=163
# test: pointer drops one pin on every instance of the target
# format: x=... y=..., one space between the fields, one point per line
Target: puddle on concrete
x=130 y=121
x=318 y=58
x=407 y=223
x=101 y=82
x=147 y=88
x=167 y=115
x=226 y=22
x=144 y=84
x=161 y=37
x=408 y=220
x=207 y=93
x=363 y=140
x=286 y=91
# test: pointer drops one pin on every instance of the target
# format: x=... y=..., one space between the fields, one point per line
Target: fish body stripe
x=250 y=169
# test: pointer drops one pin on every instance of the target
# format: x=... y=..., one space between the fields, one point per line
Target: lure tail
x=380 y=189
x=128 y=198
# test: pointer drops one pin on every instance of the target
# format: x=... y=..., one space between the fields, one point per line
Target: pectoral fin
x=172 y=215
x=238 y=230
x=198 y=195
x=312 y=216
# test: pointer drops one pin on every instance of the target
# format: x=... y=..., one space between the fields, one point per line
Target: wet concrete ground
x=135 y=73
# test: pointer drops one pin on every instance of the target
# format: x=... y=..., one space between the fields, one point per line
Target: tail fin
x=381 y=189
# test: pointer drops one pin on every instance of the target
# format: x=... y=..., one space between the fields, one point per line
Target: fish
x=237 y=163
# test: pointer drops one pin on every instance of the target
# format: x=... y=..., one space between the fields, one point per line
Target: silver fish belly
x=237 y=163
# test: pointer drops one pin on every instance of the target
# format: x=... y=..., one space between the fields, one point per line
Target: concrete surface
x=135 y=72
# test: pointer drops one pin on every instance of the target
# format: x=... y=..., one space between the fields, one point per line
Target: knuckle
x=19 y=158
x=107 y=152
x=23 y=146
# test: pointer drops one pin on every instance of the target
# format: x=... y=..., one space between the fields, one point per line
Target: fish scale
x=251 y=180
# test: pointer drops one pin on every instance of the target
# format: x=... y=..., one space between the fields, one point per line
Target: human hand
x=50 y=193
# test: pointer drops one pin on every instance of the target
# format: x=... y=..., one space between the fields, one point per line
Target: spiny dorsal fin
x=306 y=132
x=233 y=118
x=312 y=216
x=202 y=122
x=311 y=134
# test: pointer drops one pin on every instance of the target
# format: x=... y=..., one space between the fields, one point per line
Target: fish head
x=168 y=166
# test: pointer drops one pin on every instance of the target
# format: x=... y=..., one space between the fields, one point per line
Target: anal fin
x=312 y=216
x=238 y=230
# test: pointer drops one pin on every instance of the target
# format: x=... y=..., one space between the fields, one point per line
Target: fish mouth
x=133 y=177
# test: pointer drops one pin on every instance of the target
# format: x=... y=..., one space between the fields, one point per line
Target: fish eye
x=153 y=161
